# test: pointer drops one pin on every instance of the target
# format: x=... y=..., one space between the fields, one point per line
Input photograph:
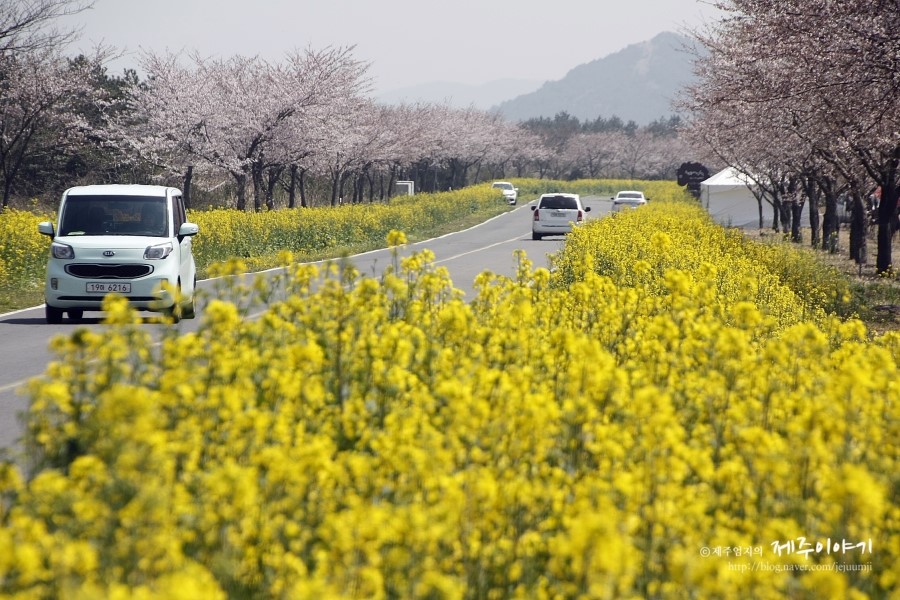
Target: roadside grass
x=12 y=299
x=878 y=304
x=874 y=299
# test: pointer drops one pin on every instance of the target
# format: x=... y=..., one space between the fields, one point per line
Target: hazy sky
x=406 y=42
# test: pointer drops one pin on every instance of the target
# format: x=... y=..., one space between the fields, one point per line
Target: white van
x=123 y=239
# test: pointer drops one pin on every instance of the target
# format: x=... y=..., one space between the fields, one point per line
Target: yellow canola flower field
x=670 y=422
x=23 y=251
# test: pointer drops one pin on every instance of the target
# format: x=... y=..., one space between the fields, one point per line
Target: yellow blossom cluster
x=23 y=251
x=674 y=246
x=649 y=426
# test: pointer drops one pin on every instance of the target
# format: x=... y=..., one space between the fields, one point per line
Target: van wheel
x=75 y=314
x=187 y=309
x=53 y=315
x=535 y=236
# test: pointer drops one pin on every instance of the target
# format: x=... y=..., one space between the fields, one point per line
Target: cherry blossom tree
x=469 y=135
x=40 y=100
x=528 y=151
x=353 y=136
x=407 y=138
x=595 y=153
x=815 y=75
x=234 y=114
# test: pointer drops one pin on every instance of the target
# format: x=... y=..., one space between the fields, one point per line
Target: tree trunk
x=390 y=183
x=241 y=184
x=272 y=177
x=292 y=187
x=6 y=193
x=257 y=172
x=813 y=194
x=858 y=223
x=303 y=201
x=188 y=176
x=335 y=187
x=454 y=164
x=888 y=223
x=883 y=253
x=786 y=215
x=796 y=211
x=361 y=183
x=831 y=224
x=343 y=181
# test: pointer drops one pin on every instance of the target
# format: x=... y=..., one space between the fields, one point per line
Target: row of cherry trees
x=270 y=125
x=268 y=130
x=803 y=96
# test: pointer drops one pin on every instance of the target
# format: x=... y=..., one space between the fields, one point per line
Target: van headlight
x=59 y=250
x=158 y=252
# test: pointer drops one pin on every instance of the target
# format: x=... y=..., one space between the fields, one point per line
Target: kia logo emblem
x=109 y=253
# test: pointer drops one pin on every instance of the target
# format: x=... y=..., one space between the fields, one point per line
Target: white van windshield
x=114 y=215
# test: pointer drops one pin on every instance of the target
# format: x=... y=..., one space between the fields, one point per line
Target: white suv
x=628 y=199
x=124 y=239
x=555 y=214
x=510 y=192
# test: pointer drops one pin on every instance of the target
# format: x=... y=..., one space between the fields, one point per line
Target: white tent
x=728 y=197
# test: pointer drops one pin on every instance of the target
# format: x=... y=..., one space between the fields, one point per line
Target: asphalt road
x=490 y=246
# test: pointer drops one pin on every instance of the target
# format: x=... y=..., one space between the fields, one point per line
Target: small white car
x=510 y=192
x=123 y=239
x=628 y=199
x=556 y=214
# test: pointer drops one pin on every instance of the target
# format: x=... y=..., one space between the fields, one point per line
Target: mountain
x=459 y=95
x=636 y=84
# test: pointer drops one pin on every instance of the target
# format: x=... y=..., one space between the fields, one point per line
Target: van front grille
x=108 y=271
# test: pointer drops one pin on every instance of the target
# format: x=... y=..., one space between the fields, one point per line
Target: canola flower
x=23 y=251
x=581 y=433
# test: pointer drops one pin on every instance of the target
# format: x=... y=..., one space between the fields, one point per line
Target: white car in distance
x=628 y=199
x=510 y=192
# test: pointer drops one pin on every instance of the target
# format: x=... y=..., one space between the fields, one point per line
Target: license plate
x=105 y=287
x=559 y=214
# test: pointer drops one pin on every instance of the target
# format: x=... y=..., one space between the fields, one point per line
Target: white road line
x=15 y=384
x=449 y=258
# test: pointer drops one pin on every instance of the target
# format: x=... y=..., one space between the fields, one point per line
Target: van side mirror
x=46 y=228
x=188 y=229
